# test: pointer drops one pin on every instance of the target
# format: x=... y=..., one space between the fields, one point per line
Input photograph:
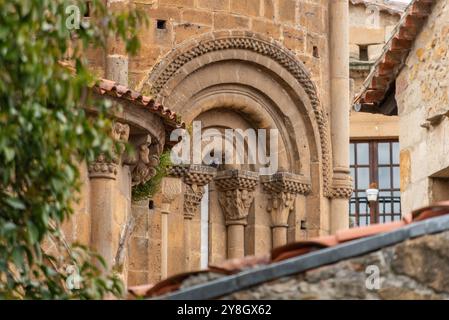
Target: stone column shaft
x=103 y=175
x=339 y=56
x=236 y=240
x=171 y=188
x=195 y=177
x=164 y=240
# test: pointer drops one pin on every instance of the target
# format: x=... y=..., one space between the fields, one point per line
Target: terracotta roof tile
x=381 y=79
x=294 y=250
x=112 y=89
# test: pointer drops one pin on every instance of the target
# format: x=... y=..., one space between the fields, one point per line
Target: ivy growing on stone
x=150 y=188
x=44 y=135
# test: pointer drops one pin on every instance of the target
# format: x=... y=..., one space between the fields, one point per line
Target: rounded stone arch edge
x=245 y=40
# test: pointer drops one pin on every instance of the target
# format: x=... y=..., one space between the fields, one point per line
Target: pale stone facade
x=371 y=24
x=239 y=65
x=422 y=100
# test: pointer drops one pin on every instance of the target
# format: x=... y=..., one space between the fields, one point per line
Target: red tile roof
x=112 y=89
x=382 y=77
x=292 y=250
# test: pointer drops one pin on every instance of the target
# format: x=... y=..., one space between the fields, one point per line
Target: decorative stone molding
x=236 y=194
x=342 y=186
x=243 y=40
x=195 y=178
x=107 y=167
x=282 y=189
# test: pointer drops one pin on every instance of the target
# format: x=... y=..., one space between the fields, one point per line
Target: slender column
x=283 y=189
x=103 y=175
x=195 y=178
x=236 y=195
x=339 y=55
x=171 y=188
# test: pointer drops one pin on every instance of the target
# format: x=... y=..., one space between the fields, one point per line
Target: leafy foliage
x=150 y=188
x=44 y=134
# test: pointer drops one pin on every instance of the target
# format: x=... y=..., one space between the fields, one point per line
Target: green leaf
x=15 y=203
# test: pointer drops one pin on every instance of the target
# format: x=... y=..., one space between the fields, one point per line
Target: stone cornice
x=286 y=182
x=236 y=179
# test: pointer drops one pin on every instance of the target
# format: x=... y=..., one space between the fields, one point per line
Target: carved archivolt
x=252 y=42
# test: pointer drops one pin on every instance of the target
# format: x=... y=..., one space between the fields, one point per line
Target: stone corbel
x=145 y=160
x=107 y=166
x=236 y=194
x=341 y=184
x=282 y=189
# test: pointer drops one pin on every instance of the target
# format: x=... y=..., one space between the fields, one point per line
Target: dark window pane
x=362 y=153
x=396 y=152
x=396 y=178
x=383 y=151
x=363 y=178
x=384 y=178
x=352 y=154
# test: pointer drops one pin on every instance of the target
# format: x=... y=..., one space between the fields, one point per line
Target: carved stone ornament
x=282 y=189
x=107 y=167
x=342 y=186
x=236 y=40
x=145 y=160
x=236 y=194
x=195 y=178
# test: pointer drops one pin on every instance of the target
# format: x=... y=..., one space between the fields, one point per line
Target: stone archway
x=165 y=82
x=259 y=84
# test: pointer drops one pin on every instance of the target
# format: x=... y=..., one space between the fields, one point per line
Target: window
x=363 y=53
x=161 y=24
x=375 y=162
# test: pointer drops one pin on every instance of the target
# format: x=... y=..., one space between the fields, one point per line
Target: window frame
x=379 y=215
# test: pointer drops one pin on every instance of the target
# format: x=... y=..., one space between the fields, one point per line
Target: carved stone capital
x=236 y=194
x=342 y=186
x=192 y=200
x=107 y=166
x=282 y=189
x=195 y=177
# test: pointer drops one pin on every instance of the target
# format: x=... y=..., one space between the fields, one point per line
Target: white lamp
x=372 y=193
